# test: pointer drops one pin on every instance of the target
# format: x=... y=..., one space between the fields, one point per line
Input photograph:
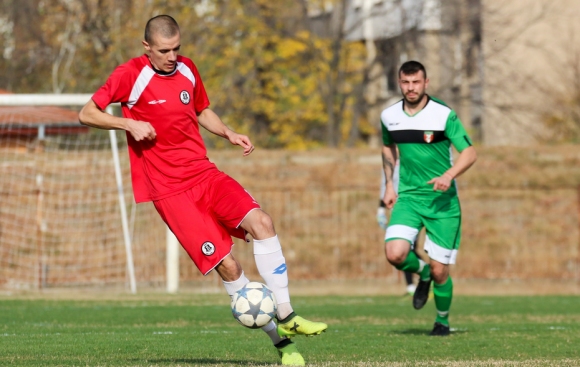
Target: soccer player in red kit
x=163 y=102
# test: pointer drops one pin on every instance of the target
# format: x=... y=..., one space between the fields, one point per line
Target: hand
x=390 y=198
x=243 y=141
x=382 y=217
x=141 y=130
x=441 y=183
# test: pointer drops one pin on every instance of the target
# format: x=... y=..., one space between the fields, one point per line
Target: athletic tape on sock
x=267 y=246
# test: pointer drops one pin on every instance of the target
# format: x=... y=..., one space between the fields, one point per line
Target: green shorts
x=441 y=217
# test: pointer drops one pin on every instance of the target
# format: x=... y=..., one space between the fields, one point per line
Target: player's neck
x=160 y=72
x=414 y=108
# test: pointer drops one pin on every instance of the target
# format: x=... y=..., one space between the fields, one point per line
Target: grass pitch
x=198 y=330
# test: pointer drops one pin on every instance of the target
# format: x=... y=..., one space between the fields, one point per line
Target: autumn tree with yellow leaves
x=267 y=73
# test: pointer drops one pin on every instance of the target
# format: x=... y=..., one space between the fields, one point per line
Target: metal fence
x=507 y=234
x=66 y=231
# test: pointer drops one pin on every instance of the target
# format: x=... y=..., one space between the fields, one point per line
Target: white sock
x=272 y=267
x=236 y=285
x=271 y=330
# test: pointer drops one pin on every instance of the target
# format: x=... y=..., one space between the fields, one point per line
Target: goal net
x=67 y=216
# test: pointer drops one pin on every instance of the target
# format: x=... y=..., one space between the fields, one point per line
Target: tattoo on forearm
x=390 y=165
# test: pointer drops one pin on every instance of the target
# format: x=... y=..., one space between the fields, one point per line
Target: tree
x=339 y=66
x=24 y=48
x=528 y=59
x=267 y=74
x=562 y=119
x=259 y=69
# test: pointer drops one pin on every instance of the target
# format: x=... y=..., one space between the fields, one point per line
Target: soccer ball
x=254 y=305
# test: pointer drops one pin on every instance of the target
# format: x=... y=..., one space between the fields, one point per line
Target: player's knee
x=439 y=274
x=440 y=278
x=395 y=260
x=394 y=257
x=395 y=254
x=260 y=225
x=265 y=222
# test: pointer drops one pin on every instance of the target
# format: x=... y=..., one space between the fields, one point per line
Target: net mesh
x=60 y=220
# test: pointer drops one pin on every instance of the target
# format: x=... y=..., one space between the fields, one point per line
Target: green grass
x=198 y=330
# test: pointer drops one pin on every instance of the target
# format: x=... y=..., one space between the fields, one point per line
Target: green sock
x=443 y=295
x=415 y=265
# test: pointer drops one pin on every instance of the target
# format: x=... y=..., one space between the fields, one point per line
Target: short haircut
x=412 y=67
x=163 y=25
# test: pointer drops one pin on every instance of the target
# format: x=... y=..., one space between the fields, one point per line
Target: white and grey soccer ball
x=254 y=305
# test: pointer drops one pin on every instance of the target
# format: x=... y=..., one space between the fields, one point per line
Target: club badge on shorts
x=428 y=136
x=207 y=248
x=184 y=97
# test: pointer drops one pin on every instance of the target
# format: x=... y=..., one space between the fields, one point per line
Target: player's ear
x=146 y=45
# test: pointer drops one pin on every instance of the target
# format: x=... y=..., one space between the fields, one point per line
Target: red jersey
x=177 y=159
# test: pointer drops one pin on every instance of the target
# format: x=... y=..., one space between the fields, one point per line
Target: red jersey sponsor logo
x=158 y=101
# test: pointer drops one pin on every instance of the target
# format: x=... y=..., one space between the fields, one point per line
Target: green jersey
x=424 y=141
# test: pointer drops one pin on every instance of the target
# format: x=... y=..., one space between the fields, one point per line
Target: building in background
x=511 y=70
x=444 y=35
x=25 y=127
x=531 y=57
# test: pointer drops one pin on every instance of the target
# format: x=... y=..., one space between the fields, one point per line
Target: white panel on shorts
x=401 y=231
x=438 y=253
x=140 y=84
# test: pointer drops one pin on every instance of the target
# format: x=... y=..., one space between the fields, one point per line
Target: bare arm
x=389 y=155
x=91 y=115
x=465 y=160
x=212 y=123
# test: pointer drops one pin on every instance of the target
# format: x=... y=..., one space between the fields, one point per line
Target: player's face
x=413 y=86
x=163 y=52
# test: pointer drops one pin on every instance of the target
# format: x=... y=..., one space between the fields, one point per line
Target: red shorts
x=205 y=217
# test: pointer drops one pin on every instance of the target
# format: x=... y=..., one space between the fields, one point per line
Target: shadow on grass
x=206 y=361
x=424 y=332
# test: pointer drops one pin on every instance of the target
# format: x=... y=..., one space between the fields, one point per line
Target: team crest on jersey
x=184 y=97
x=428 y=136
x=207 y=248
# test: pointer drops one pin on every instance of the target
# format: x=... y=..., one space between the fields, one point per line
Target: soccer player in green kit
x=423 y=129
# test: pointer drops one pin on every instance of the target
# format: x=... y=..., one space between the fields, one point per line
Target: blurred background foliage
x=289 y=74
x=266 y=73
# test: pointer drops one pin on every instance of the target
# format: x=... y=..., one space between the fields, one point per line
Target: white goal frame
x=81 y=100
x=172 y=244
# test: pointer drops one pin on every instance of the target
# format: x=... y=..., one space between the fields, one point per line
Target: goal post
x=172 y=265
x=23 y=99
x=122 y=207
x=17 y=213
